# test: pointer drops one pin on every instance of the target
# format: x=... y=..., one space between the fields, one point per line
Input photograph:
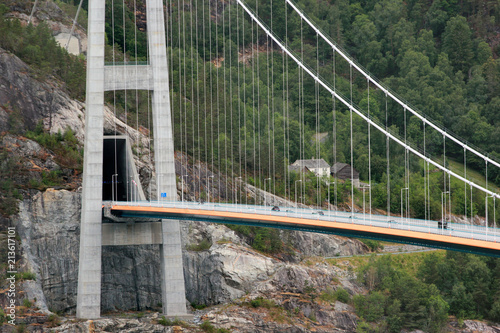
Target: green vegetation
x=262 y=302
x=425 y=50
x=206 y=326
x=198 y=306
x=204 y=245
x=25 y=276
x=64 y=145
x=434 y=54
x=373 y=245
x=54 y=320
x=37 y=47
x=70 y=8
x=27 y=303
x=421 y=291
x=266 y=240
x=9 y=193
x=169 y=322
x=21 y=328
x=330 y=295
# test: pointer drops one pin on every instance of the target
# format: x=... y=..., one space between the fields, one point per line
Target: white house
x=319 y=167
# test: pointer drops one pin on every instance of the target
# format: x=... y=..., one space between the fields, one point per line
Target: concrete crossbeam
x=131 y=234
x=128 y=77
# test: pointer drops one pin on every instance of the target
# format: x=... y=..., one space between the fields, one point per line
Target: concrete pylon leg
x=172 y=285
x=173 y=290
x=88 y=304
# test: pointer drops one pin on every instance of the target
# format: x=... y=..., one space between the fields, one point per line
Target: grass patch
x=54 y=320
x=206 y=326
x=27 y=303
x=25 y=276
x=330 y=295
x=71 y=10
x=172 y=322
x=204 y=245
x=373 y=245
x=262 y=302
x=198 y=306
x=473 y=175
x=9 y=192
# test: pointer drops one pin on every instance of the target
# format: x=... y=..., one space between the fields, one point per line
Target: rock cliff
x=48 y=225
x=48 y=222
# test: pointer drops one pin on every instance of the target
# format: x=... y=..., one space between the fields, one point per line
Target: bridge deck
x=459 y=237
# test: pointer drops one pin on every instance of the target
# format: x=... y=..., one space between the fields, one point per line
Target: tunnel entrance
x=119 y=174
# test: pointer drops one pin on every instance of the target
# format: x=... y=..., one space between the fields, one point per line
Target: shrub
x=262 y=302
x=342 y=295
x=198 y=306
x=328 y=295
x=373 y=245
x=169 y=322
x=20 y=328
x=164 y=321
x=370 y=307
x=54 y=320
x=204 y=245
x=27 y=303
x=208 y=327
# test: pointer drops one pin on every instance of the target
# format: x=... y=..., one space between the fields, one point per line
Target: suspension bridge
x=218 y=79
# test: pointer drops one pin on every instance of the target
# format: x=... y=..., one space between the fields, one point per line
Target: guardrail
x=461 y=230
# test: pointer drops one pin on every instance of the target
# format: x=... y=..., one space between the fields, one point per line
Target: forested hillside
x=420 y=291
x=243 y=107
x=247 y=110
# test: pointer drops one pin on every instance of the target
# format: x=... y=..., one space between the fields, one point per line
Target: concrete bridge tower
x=93 y=233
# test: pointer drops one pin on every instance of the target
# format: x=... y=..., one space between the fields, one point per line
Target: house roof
x=338 y=166
x=312 y=163
x=298 y=168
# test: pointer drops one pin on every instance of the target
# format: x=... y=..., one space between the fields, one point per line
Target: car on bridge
x=275 y=209
x=442 y=224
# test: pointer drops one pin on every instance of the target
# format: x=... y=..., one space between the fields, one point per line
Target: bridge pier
x=93 y=233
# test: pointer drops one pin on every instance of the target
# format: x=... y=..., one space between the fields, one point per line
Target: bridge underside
x=320 y=226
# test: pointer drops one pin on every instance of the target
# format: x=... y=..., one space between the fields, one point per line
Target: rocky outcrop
x=283 y=316
x=224 y=273
x=48 y=224
x=313 y=244
x=123 y=325
x=24 y=100
x=49 y=13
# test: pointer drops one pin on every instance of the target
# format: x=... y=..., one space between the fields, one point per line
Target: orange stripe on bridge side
x=312 y=223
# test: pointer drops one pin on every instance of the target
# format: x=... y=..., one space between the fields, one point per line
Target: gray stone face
x=49 y=227
x=313 y=244
x=32 y=99
x=131 y=277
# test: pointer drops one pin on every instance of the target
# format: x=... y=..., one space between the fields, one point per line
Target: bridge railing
x=461 y=230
